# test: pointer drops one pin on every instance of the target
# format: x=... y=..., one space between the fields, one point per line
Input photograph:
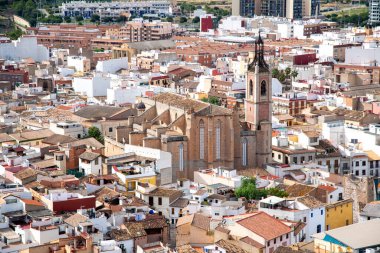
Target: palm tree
x=294 y=74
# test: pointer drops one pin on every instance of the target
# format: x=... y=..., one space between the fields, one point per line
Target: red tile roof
x=265 y=226
x=327 y=188
x=32 y=202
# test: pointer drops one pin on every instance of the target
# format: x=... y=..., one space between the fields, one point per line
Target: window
x=201 y=139
x=110 y=129
x=268 y=243
x=97 y=161
x=319 y=228
x=304 y=219
x=364 y=163
x=348 y=223
x=217 y=140
x=295 y=160
x=172 y=210
x=357 y=163
x=263 y=88
x=340 y=196
x=321 y=212
x=274 y=241
x=280 y=238
x=327 y=227
x=311 y=215
x=331 y=196
x=159 y=201
x=244 y=156
x=363 y=172
x=310 y=157
x=287 y=236
x=181 y=157
x=250 y=87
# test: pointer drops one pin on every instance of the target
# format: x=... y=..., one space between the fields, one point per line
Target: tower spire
x=259 y=56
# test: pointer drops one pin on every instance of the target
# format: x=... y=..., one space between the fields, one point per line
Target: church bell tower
x=258 y=103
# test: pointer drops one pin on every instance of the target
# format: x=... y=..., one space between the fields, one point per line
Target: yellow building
x=339 y=214
x=131 y=183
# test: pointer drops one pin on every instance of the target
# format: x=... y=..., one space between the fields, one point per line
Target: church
x=200 y=135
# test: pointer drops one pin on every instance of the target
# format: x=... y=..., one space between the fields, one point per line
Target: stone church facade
x=201 y=135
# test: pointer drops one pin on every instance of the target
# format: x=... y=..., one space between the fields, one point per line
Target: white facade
x=367 y=55
x=71 y=129
x=92 y=86
x=163 y=159
x=79 y=63
x=91 y=167
x=24 y=47
x=112 y=65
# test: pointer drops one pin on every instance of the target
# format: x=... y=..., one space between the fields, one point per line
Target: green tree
x=107 y=19
x=67 y=19
x=79 y=18
x=95 y=133
x=95 y=18
x=249 y=190
x=121 y=19
x=169 y=19
x=282 y=77
x=294 y=74
x=196 y=20
x=14 y=34
x=287 y=72
x=183 y=20
x=275 y=73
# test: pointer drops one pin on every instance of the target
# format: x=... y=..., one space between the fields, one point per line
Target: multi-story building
x=374 y=11
x=245 y=8
x=114 y=9
x=14 y=75
x=140 y=31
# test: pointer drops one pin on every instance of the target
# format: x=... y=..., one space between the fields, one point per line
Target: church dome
x=140 y=106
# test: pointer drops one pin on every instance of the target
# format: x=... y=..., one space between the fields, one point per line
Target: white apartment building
x=68 y=128
x=299 y=209
x=79 y=63
x=94 y=86
x=114 y=9
x=219 y=175
x=24 y=47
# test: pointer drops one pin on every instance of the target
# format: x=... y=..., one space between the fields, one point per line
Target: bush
x=183 y=20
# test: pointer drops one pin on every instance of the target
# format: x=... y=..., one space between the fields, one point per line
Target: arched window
x=181 y=157
x=217 y=140
x=250 y=87
x=201 y=139
x=244 y=152
x=263 y=88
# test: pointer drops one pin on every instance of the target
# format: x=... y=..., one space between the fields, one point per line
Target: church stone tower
x=258 y=104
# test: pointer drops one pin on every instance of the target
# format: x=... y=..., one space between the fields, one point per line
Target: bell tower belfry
x=258 y=103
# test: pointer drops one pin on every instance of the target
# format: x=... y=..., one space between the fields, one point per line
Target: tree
x=282 y=77
x=275 y=73
x=287 y=72
x=14 y=34
x=107 y=19
x=67 y=19
x=169 y=19
x=249 y=190
x=211 y=100
x=95 y=18
x=79 y=18
x=121 y=19
x=95 y=133
x=183 y=20
x=294 y=74
x=196 y=20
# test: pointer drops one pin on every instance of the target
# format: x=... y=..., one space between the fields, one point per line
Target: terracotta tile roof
x=250 y=241
x=32 y=135
x=229 y=247
x=58 y=139
x=298 y=190
x=222 y=229
x=5 y=137
x=75 y=219
x=120 y=235
x=32 y=202
x=265 y=226
x=201 y=221
x=185 y=249
x=180 y=203
x=310 y=202
x=89 y=156
x=23 y=174
x=327 y=188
